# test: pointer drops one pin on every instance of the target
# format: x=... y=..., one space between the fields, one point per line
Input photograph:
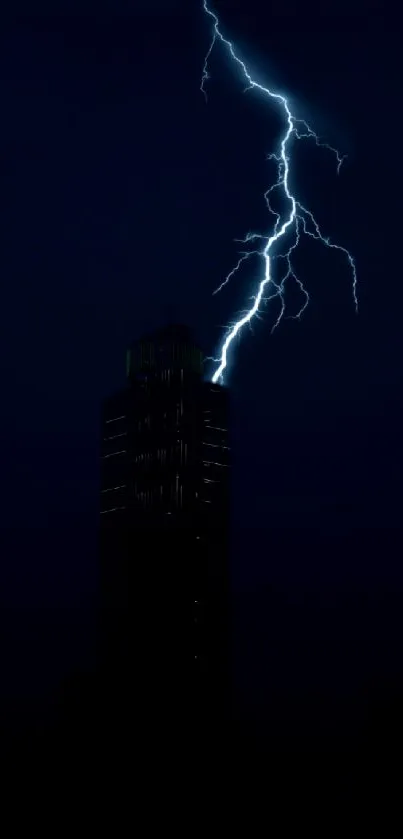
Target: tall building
x=164 y=536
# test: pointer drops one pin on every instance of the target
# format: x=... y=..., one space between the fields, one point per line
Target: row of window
x=215 y=445
x=114 y=454
x=215 y=427
x=214 y=463
x=150 y=496
x=144 y=424
x=115 y=436
x=111 y=510
x=178 y=453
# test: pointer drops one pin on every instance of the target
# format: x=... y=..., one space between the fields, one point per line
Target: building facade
x=165 y=469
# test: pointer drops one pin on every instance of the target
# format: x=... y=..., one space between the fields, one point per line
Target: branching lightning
x=297 y=220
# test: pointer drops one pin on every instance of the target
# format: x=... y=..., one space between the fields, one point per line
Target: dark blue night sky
x=121 y=195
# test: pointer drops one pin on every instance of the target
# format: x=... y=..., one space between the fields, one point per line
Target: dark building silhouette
x=164 y=541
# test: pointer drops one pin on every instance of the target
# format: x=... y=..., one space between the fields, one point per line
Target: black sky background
x=121 y=195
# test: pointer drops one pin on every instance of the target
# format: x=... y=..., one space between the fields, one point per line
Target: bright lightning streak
x=297 y=216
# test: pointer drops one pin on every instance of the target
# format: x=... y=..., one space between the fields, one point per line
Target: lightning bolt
x=298 y=220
